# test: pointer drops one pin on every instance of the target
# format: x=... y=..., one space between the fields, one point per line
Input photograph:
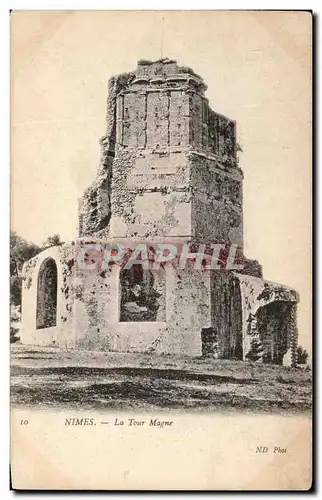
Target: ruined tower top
x=162 y=105
x=166 y=73
x=168 y=164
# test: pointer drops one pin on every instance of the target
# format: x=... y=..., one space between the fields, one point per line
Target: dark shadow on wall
x=272 y=324
x=47 y=295
x=142 y=294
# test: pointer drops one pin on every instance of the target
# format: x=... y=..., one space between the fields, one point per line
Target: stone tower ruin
x=168 y=172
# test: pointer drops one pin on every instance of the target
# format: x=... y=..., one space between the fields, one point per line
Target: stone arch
x=275 y=329
x=46 y=311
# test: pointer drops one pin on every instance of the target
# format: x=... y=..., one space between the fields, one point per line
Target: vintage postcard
x=161 y=250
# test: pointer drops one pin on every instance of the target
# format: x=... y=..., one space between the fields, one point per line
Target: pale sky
x=257 y=66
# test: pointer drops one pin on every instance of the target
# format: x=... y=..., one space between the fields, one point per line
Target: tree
x=52 y=241
x=15 y=318
x=20 y=251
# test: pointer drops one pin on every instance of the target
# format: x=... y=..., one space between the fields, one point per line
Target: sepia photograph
x=160 y=242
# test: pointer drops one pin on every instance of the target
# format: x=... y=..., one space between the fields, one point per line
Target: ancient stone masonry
x=168 y=172
x=94 y=206
x=165 y=148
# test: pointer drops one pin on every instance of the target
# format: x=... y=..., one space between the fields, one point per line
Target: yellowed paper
x=176 y=379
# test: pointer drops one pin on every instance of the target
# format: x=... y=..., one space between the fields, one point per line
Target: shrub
x=302 y=355
x=256 y=351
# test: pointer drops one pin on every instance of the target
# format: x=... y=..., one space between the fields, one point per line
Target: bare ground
x=68 y=379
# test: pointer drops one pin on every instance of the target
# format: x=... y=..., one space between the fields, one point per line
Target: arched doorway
x=273 y=323
x=47 y=295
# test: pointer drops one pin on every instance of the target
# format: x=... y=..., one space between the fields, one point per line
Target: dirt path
x=53 y=378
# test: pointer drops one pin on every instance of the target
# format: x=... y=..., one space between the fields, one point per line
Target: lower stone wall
x=222 y=313
x=188 y=311
x=97 y=314
x=226 y=315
